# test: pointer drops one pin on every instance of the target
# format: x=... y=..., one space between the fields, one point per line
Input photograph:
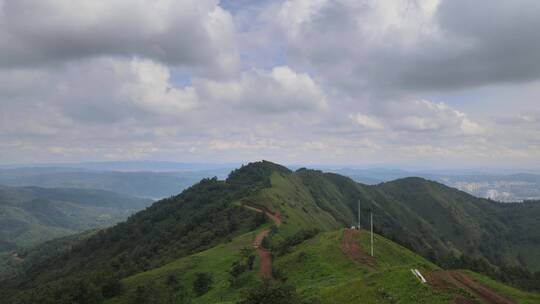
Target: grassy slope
x=216 y=261
x=514 y=294
x=319 y=269
x=297 y=207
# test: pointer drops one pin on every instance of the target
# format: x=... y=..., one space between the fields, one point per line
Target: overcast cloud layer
x=425 y=83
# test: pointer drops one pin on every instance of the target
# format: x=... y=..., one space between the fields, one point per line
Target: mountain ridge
x=210 y=214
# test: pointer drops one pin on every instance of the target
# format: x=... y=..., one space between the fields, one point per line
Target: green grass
x=389 y=254
x=318 y=263
x=298 y=209
x=399 y=285
x=318 y=268
x=216 y=261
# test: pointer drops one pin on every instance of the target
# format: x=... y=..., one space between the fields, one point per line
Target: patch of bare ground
x=265 y=259
x=275 y=217
x=454 y=280
x=350 y=246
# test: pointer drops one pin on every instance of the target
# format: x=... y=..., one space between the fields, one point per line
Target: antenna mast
x=359 y=227
x=371 y=214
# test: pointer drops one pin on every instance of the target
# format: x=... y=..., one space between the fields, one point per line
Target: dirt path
x=350 y=246
x=448 y=280
x=275 y=217
x=265 y=258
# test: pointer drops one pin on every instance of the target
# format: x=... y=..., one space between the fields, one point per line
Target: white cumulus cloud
x=276 y=91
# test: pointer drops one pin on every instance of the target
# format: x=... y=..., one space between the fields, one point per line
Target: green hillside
x=203 y=216
x=320 y=271
x=435 y=220
x=196 y=247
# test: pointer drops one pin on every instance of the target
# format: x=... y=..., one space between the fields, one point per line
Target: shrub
x=202 y=283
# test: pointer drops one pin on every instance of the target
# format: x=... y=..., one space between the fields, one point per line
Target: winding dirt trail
x=265 y=258
x=350 y=246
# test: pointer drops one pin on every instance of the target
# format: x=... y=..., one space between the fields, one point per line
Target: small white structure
x=417 y=274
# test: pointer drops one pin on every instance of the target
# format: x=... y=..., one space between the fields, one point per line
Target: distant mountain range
x=129 y=166
x=158 y=179
x=516 y=187
x=146 y=184
x=31 y=215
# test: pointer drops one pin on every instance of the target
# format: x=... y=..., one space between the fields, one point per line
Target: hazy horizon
x=168 y=165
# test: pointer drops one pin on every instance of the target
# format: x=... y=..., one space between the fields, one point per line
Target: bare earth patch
x=350 y=246
x=448 y=280
x=265 y=259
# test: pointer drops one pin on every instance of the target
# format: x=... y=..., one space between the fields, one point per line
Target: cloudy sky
x=422 y=83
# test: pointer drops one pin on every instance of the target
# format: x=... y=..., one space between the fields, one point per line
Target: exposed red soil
x=265 y=264
x=448 y=280
x=274 y=216
x=259 y=237
x=350 y=246
x=265 y=258
x=461 y=300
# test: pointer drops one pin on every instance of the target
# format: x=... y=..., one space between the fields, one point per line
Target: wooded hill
x=447 y=226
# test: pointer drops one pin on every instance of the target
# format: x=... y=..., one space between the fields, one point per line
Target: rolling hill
x=30 y=215
x=196 y=247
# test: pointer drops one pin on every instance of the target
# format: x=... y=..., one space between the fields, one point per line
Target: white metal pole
x=359 y=227
x=371 y=214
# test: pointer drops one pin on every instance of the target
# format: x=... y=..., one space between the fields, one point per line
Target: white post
x=371 y=214
x=359 y=227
